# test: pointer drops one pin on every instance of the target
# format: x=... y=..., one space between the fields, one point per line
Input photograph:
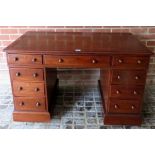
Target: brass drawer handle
x=21 y=104
x=132 y=107
x=36 y=89
x=38 y=104
x=20 y=88
x=139 y=61
x=34 y=60
x=60 y=60
x=120 y=61
x=35 y=74
x=118 y=92
x=136 y=77
x=134 y=92
x=118 y=77
x=18 y=74
x=116 y=106
x=94 y=61
x=16 y=59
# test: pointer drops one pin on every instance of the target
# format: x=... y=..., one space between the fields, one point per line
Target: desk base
x=116 y=119
x=31 y=116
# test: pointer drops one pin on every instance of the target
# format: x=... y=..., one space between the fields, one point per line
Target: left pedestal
x=28 y=80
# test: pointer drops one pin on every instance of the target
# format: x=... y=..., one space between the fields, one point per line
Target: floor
x=78 y=107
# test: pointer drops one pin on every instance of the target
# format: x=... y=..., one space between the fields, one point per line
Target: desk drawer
x=29 y=104
x=24 y=59
x=124 y=106
x=125 y=91
x=26 y=74
x=28 y=88
x=77 y=61
x=130 y=62
x=128 y=77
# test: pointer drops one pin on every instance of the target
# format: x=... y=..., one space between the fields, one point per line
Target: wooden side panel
x=104 y=86
x=51 y=87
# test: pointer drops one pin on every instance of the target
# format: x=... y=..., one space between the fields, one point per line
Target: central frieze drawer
x=29 y=104
x=26 y=74
x=24 y=59
x=77 y=61
x=28 y=88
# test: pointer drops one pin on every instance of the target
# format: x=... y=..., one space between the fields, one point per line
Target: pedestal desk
x=33 y=60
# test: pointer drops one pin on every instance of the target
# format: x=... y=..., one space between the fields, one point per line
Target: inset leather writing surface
x=69 y=43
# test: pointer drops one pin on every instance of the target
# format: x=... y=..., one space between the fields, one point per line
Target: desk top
x=73 y=43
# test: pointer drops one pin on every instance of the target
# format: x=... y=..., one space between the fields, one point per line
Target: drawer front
x=128 y=77
x=21 y=59
x=24 y=74
x=130 y=62
x=29 y=104
x=77 y=61
x=124 y=106
x=28 y=88
x=123 y=91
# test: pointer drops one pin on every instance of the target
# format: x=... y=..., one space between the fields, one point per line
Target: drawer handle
x=118 y=77
x=120 y=61
x=16 y=59
x=94 y=61
x=132 y=107
x=134 y=92
x=116 y=106
x=18 y=74
x=118 y=92
x=38 y=104
x=139 y=62
x=21 y=104
x=20 y=88
x=35 y=74
x=36 y=89
x=136 y=77
x=34 y=60
x=60 y=60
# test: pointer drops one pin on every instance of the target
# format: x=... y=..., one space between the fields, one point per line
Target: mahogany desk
x=35 y=56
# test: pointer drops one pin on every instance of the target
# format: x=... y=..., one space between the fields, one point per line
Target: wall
x=145 y=34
